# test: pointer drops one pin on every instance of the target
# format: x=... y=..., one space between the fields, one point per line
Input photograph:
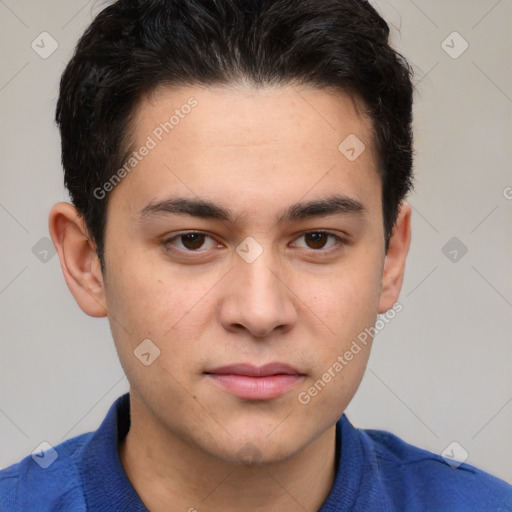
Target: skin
x=256 y=152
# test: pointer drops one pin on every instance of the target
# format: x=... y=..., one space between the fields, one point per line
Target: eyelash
x=340 y=242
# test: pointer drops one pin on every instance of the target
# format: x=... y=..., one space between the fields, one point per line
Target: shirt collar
x=101 y=464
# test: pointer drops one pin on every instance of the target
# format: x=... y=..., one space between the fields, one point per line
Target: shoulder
x=47 y=480
x=423 y=480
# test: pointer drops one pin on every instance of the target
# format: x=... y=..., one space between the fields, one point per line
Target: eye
x=318 y=240
x=190 y=241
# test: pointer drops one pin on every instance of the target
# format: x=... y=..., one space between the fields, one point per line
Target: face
x=249 y=250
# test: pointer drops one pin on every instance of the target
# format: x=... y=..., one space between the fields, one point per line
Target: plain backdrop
x=439 y=372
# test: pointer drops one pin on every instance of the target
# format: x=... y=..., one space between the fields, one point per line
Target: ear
x=394 y=263
x=78 y=260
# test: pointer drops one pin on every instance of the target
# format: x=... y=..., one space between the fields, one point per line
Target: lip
x=256 y=382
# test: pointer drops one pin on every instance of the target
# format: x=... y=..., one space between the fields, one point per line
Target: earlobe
x=394 y=262
x=78 y=259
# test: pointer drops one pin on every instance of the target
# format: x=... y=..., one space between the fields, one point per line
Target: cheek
x=146 y=296
x=154 y=301
x=346 y=301
x=347 y=304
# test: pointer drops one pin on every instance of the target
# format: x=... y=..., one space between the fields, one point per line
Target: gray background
x=439 y=372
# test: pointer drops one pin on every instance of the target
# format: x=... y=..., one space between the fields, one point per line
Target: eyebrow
x=205 y=209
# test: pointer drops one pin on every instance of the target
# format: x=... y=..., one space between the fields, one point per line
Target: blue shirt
x=376 y=471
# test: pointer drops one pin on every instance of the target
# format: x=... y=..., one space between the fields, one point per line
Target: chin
x=256 y=452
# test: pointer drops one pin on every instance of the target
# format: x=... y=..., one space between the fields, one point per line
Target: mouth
x=256 y=382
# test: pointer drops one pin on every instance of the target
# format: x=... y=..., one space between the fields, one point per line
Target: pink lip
x=256 y=383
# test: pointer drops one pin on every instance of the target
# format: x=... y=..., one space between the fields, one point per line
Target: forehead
x=233 y=115
x=251 y=144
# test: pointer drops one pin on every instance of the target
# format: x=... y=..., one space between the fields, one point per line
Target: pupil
x=317 y=239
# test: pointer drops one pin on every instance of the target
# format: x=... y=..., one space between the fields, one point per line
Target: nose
x=258 y=298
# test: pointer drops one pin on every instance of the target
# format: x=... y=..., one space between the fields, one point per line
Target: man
x=238 y=172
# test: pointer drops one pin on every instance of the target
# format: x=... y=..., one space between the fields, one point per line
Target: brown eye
x=322 y=242
x=189 y=242
x=316 y=240
x=192 y=241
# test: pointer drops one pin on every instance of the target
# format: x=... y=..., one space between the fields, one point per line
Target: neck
x=171 y=475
